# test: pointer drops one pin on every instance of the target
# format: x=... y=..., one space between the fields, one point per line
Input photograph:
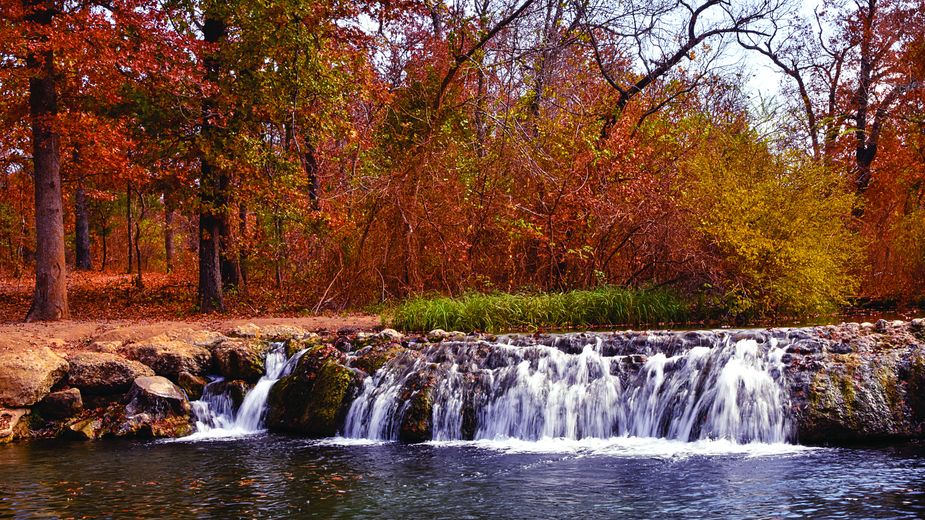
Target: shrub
x=776 y=225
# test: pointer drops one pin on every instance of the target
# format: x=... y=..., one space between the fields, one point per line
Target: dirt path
x=72 y=335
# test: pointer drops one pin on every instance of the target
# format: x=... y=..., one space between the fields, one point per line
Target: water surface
x=272 y=476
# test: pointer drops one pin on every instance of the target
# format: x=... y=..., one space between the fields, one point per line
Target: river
x=271 y=476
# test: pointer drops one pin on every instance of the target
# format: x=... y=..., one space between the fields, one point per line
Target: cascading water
x=215 y=413
x=577 y=387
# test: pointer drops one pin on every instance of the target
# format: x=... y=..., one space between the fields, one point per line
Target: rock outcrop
x=26 y=377
x=168 y=357
x=102 y=373
x=240 y=358
x=61 y=405
x=12 y=425
x=313 y=399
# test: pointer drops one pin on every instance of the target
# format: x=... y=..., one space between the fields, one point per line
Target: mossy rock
x=371 y=359
x=294 y=346
x=314 y=399
x=857 y=400
x=417 y=416
x=243 y=359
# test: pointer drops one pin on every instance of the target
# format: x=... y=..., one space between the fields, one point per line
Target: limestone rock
x=315 y=397
x=199 y=338
x=102 y=373
x=109 y=347
x=371 y=359
x=240 y=359
x=168 y=357
x=11 y=424
x=248 y=330
x=283 y=332
x=157 y=408
x=391 y=335
x=26 y=377
x=61 y=405
x=438 y=335
x=87 y=429
x=192 y=385
x=236 y=390
x=417 y=420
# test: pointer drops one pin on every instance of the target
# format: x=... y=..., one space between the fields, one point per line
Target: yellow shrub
x=776 y=225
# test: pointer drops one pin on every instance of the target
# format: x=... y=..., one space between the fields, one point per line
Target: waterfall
x=215 y=413
x=708 y=386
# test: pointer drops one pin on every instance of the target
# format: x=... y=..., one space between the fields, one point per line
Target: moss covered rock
x=417 y=415
x=240 y=358
x=371 y=359
x=314 y=398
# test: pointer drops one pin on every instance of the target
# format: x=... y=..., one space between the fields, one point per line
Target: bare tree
x=638 y=43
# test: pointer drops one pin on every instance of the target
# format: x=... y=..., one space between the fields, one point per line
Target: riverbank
x=827 y=384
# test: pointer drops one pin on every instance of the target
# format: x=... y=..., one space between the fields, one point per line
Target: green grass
x=607 y=306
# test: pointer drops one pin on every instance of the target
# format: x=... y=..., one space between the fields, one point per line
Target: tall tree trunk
x=211 y=186
x=141 y=215
x=105 y=252
x=128 y=223
x=242 y=235
x=168 y=231
x=278 y=268
x=228 y=259
x=81 y=230
x=311 y=172
x=49 y=302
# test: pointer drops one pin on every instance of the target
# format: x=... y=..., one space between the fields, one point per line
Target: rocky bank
x=846 y=383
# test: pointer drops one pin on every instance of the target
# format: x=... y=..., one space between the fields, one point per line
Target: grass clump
x=602 y=307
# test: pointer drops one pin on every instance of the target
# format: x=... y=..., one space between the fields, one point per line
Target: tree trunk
x=49 y=302
x=311 y=172
x=278 y=267
x=242 y=235
x=128 y=223
x=141 y=215
x=228 y=259
x=105 y=253
x=168 y=231
x=211 y=187
x=81 y=230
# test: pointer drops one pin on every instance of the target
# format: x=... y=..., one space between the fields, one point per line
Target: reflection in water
x=269 y=476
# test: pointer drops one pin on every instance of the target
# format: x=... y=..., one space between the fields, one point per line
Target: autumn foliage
x=344 y=155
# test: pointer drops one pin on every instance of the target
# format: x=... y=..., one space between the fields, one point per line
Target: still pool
x=270 y=476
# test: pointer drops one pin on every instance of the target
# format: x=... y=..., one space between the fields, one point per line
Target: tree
x=49 y=302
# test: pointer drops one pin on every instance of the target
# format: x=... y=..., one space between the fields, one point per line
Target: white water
x=631 y=447
x=215 y=414
x=730 y=392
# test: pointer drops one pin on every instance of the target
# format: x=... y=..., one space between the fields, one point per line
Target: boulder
x=27 y=376
x=61 y=405
x=371 y=359
x=314 y=398
x=168 y=357
x=236 y=390
x=12 y=426
x=248 y=330
x=156 y=408
x=417 y=417
x=391 y=335
x=199 y=338
x=102 y=373
x=283 y=332
x=192 y=385
x=438 y=335
x=240 y=359
x=88 y=428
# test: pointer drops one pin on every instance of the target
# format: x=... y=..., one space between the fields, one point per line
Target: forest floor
x=104 y=302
